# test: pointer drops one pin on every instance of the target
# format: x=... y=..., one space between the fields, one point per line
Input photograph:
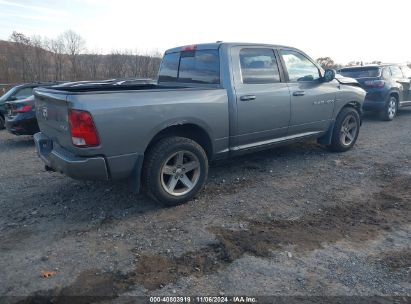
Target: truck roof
x=216 y=45
x=366 y=66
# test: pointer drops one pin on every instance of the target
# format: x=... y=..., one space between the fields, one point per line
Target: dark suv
x=387 y=86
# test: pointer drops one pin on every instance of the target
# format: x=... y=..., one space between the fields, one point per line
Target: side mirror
x=329 y=75
x=12 y=98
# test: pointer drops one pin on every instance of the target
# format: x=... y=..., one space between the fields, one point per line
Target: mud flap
x=135 y=178
x=326 y=138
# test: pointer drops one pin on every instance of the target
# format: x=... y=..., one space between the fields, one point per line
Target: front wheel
x=346 y=129
x=175 y=169
x=390 y=109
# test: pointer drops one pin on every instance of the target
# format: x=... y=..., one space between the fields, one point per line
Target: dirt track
x=296 y=220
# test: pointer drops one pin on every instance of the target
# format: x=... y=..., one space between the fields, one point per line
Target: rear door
x=263 y=99
x=312 y=100
x=406 y=71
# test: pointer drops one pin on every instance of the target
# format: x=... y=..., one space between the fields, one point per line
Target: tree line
x=65 y=58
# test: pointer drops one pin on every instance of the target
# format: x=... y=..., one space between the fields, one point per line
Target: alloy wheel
x=392 y=107
x=348 y=130
x=180 y=173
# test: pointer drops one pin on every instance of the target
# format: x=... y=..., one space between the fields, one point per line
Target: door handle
x=247 y=97
x=299 y=93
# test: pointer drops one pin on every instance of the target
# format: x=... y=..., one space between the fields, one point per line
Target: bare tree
x=354 y=63
x=117 y=64
x=74 y=45
x=57 y=49
x=92 y=64
x=327 y=63
x=39 y=58
x=64 y=58
x=4 y=69
x=22 y=46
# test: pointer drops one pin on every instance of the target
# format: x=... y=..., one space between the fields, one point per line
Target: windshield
x=6 y=95
x=191 y=67
x=360 y=72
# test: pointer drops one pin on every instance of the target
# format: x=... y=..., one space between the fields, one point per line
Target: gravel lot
x=295 y=220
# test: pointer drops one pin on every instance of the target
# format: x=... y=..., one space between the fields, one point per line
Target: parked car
x=387 y=85
x=20 y=118
x=212 y=101
x=15 y=93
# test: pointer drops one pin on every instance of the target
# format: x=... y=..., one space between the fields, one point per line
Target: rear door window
x=406 y=71
x=259 y=65
x=24 y=93
x=299 y=67
x=386 y=74
x=201 y=66
x=396 y=72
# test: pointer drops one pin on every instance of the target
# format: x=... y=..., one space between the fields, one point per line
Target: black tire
x=160 y=159
x=2 y=123
x=390 y=109
x=343 y=140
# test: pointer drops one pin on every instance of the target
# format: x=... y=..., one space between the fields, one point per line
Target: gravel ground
x=295 y=220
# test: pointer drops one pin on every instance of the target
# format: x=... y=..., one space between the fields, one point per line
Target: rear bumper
x=373 y=105
x=21 y=125
x=88 y=168
x=127 y=166
x=375 y=99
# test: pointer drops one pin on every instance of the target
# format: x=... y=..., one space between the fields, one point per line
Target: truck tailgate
x=52 y=117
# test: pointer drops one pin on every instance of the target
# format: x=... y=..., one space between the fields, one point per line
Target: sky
x=344 y=30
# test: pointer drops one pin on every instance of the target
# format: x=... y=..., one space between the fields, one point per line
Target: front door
x=312 y=99
x=399 y=77
x=263 y=99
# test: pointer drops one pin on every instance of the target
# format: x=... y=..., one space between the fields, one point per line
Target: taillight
x=186 y=48
x=375 y=83
x=82 y=129
x=23 y=109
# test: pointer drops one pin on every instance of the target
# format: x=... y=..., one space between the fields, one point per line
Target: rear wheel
x=390 y=109
x=2 y=125
x=175 y=170
x=346 y=129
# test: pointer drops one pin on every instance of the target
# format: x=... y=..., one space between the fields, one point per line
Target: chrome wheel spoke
x=352 y=125
x=350 y=136
x=179 y=159
x=169 y=170
x=187 y=182
x=172 y=183
x=190 y=166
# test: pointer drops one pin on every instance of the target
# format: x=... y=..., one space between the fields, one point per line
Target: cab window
x=299 y=67
x=259 y=66
x=202 y=66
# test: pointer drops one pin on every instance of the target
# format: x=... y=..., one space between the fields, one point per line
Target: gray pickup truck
x=211 y=101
